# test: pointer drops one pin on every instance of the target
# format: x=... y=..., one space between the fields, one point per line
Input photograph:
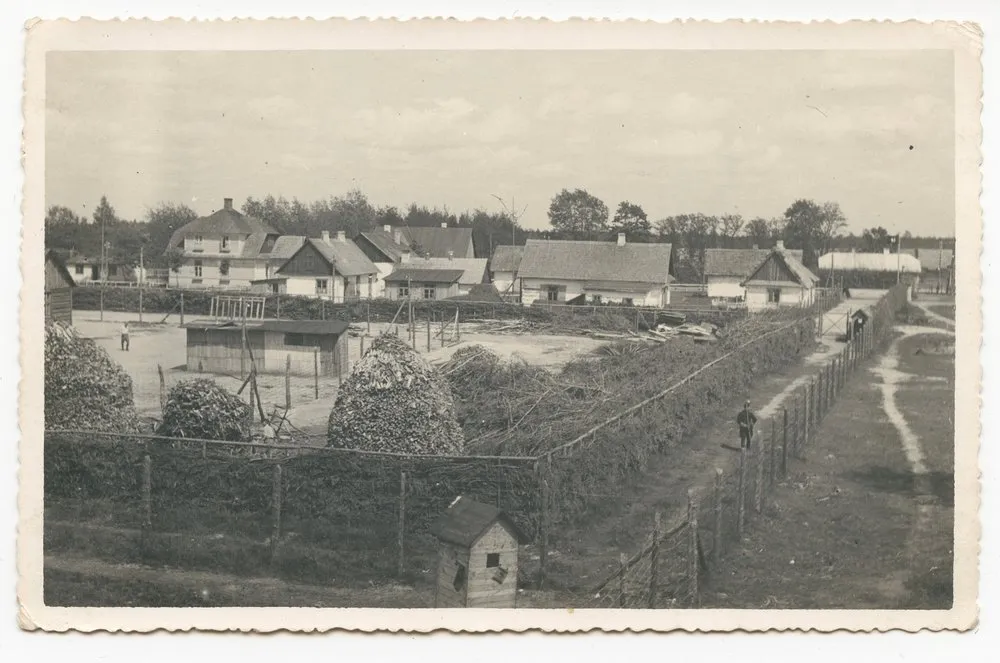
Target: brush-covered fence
x=353 y=517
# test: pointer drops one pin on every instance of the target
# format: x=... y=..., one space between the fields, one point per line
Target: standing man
x=125 y=336
x=746 y=420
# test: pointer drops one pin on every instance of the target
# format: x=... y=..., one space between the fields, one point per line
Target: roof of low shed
x=424 y=275
x=320 y=327
x=506 y=258
x=466 y=520
x=53 y=257
x=572 y=260
x=738 y=262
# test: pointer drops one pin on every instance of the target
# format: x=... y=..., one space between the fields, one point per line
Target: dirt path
x=84 y=581
x=588 y=554
x=934 y=316
x=866 y=520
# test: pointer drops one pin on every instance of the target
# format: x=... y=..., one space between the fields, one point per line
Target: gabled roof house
x=561 y=271
x=328 y=268
x=726 y=269
x=780 y=280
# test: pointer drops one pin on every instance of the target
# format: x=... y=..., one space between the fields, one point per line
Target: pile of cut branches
x=203 y=409
x=395 y=401
x=84 y=388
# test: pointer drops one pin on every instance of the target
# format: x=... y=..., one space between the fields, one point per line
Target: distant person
x=125 y=336
x=746 y=420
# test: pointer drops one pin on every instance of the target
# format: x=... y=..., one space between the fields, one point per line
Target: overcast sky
x=674 y=131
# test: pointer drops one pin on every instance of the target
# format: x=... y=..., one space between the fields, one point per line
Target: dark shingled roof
x=386 y=243
x=506 y=258
x=465 y=521
x=437 y=241
x=347 y=257
x=802 y=275
x=60 y=266
x=596 y=261
x=738 y=262
x=402 y=274
x=335 y=327
x=226 y=222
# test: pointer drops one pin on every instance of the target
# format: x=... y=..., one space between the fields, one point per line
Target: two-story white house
x=226 y=249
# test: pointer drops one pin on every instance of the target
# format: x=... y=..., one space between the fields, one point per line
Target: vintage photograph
x=643 y=329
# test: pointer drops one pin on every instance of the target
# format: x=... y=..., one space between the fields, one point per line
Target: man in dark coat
x=746 y=420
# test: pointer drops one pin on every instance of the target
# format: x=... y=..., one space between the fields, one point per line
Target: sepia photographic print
x=500 y=326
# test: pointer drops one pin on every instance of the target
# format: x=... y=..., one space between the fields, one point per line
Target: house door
x=95 y=273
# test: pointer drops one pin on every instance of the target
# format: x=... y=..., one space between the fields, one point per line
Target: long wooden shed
x=218 y=347
x=59 y=286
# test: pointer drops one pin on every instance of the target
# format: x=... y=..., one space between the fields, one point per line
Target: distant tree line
x=815 y=228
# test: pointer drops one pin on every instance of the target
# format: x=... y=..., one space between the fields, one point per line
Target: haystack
x=395 y=401
x=84 y=388
x=202 y=409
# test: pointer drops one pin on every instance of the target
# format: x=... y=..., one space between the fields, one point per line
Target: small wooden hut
x=477 y=560
x=856 y=323
x=215 y=346
x=59 y=286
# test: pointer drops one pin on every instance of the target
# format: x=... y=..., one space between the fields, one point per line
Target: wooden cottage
x=780 y=280
x=477 y=561
x=215 y=346
x=59 y=286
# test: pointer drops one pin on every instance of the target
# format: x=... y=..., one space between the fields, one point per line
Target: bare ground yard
x=165 y=344
x=866 y=520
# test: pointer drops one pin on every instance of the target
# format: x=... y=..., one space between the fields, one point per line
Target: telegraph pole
x=899 y=253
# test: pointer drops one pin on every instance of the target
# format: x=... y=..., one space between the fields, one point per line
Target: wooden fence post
x=368 y=317
x=784 y=442
x=288 y=382
x=147 y=500
x=362 y=347
x=402 y=523
x=275 y=512
x=622 y=563
x=429 y=334
x=692 y=520
x=741 y=496
x=322 y=309
x=277 y=306
x=543 y=544
x=140 y=302
x=182 y=307
x=316 y=373
x=443 y=325
x=163 y=390
x=758 y=488
x=771 y=460
x=654 y=562
x=717 y=515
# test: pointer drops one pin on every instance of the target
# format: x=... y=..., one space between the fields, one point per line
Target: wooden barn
x=477 y=561
x=215 y=346
x=59 y=286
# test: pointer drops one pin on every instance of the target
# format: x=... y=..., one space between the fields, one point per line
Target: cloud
x=678 y=143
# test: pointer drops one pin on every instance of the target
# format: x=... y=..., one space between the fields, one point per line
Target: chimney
x=404 y=256
x=398 y=237
x=227 y=203
x=780 y=245
x=326 y=236
x=451 y=255
x=387 y=228
x=341 y=236
x=621 y=239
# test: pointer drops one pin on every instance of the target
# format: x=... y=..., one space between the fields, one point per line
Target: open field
x=153 y=344
x=866 y=520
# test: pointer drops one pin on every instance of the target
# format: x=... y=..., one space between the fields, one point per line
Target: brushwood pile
x=203 y=409
x=395 y=401
x=84 y=388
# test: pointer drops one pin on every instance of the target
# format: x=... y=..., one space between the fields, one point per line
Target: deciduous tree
x=578 y=213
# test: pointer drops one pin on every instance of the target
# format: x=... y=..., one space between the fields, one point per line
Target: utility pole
x=104 y=267
x=899 y=253
x=141 y=279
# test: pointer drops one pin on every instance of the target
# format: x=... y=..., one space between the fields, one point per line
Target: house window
x=552 y=293
x=197 y=269
x=430 y=291
x=225 y=243
x=224 y=268
x=302 y=340
x=774 y=295
x=95 y=273
x=403 y=291
x=369 y=287
x=492 y=560
x=79 y=269
x=321 y=286
x=198 y=239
